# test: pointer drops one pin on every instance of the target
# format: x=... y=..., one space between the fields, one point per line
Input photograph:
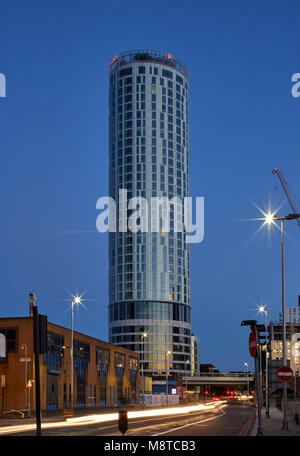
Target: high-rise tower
x=149 y=278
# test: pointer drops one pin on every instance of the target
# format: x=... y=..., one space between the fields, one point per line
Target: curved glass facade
x=149 y=280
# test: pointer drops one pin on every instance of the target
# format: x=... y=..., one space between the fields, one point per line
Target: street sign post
x=252 y=344
x=253 y=338
x=285 y=374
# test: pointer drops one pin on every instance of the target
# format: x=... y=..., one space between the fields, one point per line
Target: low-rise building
x=276 y=353
x=292 y=314
x=103 y=374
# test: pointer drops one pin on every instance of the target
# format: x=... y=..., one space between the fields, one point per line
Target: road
x=220 y=419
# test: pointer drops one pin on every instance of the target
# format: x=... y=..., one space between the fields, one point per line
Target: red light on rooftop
x=169 y=56
x=114 y=59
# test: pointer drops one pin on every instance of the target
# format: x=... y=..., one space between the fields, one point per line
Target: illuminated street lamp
x=269 y=219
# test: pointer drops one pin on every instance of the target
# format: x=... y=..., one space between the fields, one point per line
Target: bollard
x=123 y=421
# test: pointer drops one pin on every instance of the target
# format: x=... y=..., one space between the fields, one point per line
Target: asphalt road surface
x=225 y=419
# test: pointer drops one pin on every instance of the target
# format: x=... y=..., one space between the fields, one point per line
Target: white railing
x=229 y=374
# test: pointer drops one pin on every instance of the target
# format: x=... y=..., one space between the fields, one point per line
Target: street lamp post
x=76 y=300
x=269 y=219
x=260 y=373
x=246 y=364
x=143 y=336
x=187 y=363
x=265 y=311
x=24 y=347
x=167 y=386
x=72 y=354
x=285 y=422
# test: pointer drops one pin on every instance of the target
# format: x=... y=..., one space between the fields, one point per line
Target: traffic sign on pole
x=285 y=374
x=252 y=344
x=29 y=384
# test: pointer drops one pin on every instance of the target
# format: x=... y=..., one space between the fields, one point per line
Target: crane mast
x=286 y=191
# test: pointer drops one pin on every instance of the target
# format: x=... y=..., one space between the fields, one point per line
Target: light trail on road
x=93 y=419
x=192 y=424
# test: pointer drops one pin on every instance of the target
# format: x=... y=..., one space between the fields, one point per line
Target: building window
x=81 y=350
x=11 y=335
x=167 y=74
x=125 y=72
x=119 y=368
x=133 y=367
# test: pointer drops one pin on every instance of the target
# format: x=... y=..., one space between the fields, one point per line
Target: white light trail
x=92 y=419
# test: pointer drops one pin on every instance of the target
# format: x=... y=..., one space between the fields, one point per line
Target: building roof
x=14 y=320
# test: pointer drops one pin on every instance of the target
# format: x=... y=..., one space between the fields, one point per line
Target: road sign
x=252 y=344
x=3 y=380
x=29 y=384
x=25 y=359
x=285 y=374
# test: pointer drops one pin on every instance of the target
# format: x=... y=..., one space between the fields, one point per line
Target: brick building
x=104 y=374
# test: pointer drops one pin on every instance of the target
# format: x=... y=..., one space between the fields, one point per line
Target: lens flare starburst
x=78 y=299
x=268 y=217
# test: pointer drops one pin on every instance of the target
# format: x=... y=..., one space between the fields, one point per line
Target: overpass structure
x=207 y=379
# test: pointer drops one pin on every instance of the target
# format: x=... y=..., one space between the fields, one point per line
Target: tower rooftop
x=146 y=55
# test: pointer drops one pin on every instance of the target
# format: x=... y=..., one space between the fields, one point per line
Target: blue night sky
x=244 y=122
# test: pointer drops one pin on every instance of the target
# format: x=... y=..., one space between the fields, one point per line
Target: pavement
x=272 y=426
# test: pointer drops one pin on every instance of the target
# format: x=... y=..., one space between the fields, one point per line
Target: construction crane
x=287 y=192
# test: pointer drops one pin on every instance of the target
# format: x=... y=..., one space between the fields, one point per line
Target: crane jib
x=286 y=191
